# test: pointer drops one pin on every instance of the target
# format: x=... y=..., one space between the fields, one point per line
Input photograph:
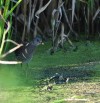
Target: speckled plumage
x=25 y=53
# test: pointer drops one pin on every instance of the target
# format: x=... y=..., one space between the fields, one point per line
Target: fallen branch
x=10 y=62
x=11 y=50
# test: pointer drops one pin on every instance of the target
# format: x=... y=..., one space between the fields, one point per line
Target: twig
x=63 y=36
x=55 y=21
x=8 y=40
x=10 y=62
x=38 y=28
x=66 y=18
x=11 y=50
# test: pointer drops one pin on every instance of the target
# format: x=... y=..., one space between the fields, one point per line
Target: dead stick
x=10 y=62
x=11 y=50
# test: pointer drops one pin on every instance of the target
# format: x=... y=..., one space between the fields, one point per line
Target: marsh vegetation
x=70 y=32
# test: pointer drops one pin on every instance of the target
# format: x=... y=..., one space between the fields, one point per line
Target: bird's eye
x=37 y=40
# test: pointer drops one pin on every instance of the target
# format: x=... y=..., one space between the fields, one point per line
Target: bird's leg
x=26 y=71
x=21 y=65
x=27 y=65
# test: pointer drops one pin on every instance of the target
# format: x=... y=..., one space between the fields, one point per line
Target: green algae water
x=12 y=76
x=15 y=75
x=8 y=76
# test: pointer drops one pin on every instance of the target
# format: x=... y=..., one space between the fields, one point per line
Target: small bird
x=25 y=53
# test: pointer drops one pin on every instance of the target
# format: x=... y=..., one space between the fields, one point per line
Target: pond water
x=16 y=75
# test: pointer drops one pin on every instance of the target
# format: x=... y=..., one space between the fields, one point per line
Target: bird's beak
x=42 y=43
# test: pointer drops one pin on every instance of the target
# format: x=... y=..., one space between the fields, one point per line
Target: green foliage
x=4 y=14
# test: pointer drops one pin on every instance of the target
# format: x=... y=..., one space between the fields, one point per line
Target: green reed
x=6 y=13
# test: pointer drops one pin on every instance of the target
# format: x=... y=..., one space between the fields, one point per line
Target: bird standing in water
x=25 y=53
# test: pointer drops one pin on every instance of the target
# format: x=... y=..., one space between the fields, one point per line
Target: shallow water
x=15 y=75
